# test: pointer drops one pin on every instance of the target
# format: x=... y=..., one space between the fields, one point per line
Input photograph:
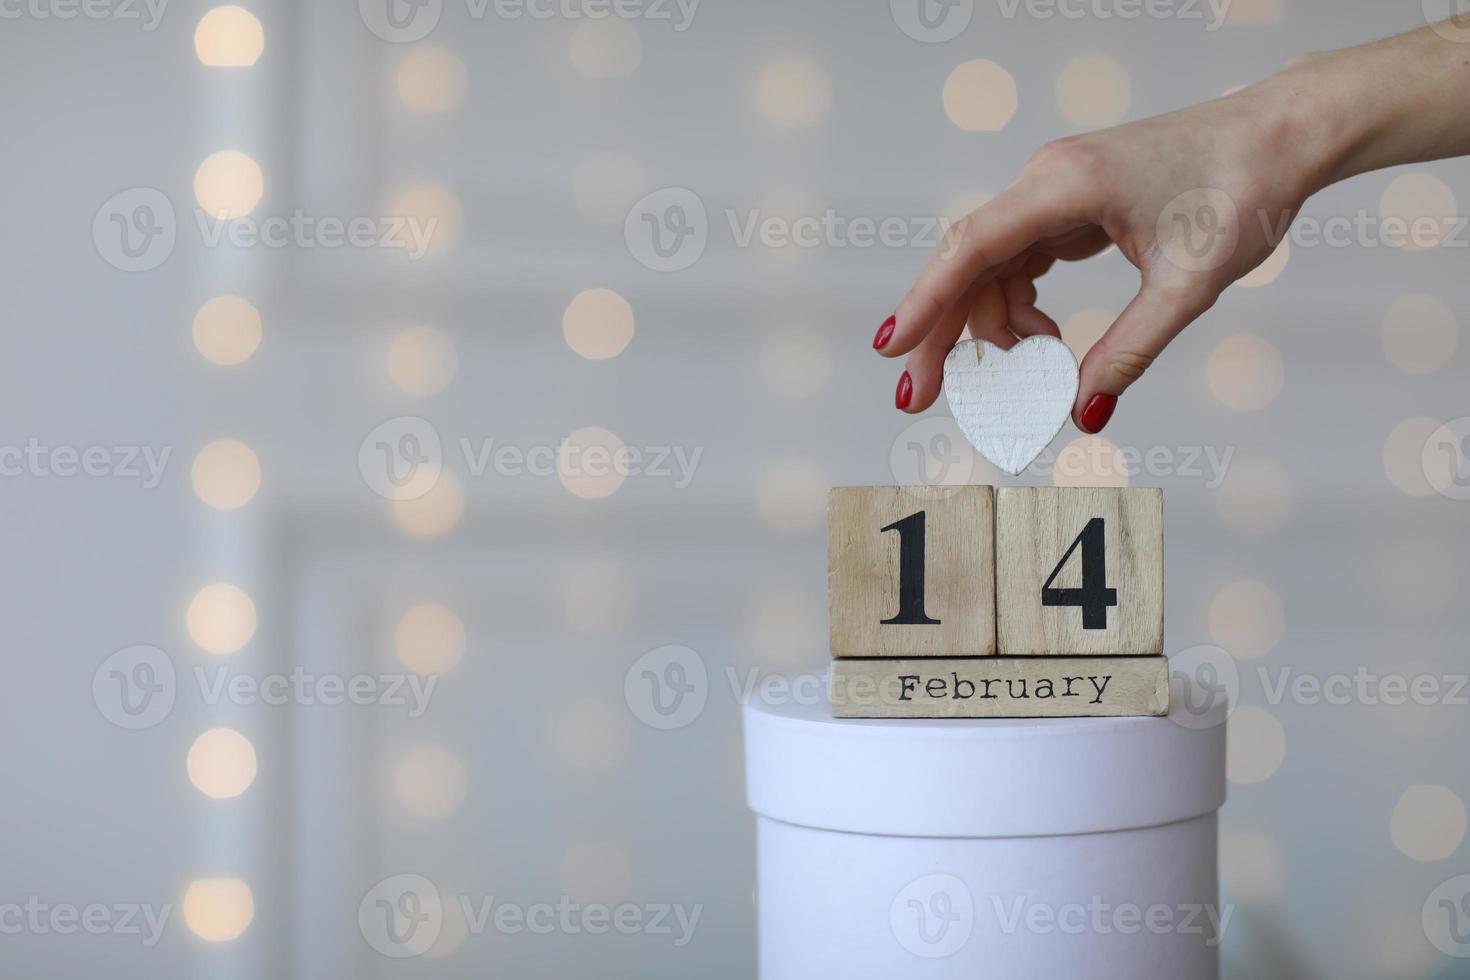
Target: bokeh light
x=1428 y=823
x=218 y=910
x=608 y=47
x=430 y=782
x=591 y=463
x=422 y=360
x=221 y=618
x=794 y=92
x=1090 y=461
x=1094 y=91
x=598 y=324
x=1245 y=372
x=221 y=763
x=1268 y=271
x=980 y=97
x=226 y=474
x=1247 y=619
x=1424 y=208
x=607 y=185
x=228 y=184
x=432 y=80
x=229 y=37
x=1403 y=456
x=429 y=639
x=227 y=330
x=435 y=513
x=435 y=214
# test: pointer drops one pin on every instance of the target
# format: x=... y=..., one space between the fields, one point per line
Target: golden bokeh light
x=434 y=514
x=1094 y=91
x=429 y=639
x=221 y=618
x=1268 y=271
x=592 y=463
x=228 y=184
x=1245 y=372
x=1085 y=328
x=1419 y=212
x=980 y=97
x=1090 y=461
x=436 y=215
x=1420 y=334
x=218 y=910
x=1428 y=823
x=598 y=324
x=226 y=474
x=229 y=37
x=227 y=330
x=221 y=763
x=432 y=80
x=606 y=48
x=1247 y=619
x=794 y=92
x=430 y=782
x=422 y=360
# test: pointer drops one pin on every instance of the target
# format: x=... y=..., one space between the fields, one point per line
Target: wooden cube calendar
x=911 y=571
x=1079 y=571
x=1021 y=602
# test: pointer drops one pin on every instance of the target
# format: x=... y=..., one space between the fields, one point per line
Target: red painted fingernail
x=1097 y=412
x=905 y=392
x=885 y=332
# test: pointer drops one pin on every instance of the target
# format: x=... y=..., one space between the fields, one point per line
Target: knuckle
x=1071 y=157
x=1129 y=365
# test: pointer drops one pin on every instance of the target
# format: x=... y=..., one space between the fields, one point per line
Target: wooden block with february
x=911 y=571
x=1000 y=687
x=1079 y=571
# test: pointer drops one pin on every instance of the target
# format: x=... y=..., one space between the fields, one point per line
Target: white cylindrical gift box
x=1008 y=849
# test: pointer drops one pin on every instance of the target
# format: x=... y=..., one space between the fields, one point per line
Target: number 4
x=1094 y=597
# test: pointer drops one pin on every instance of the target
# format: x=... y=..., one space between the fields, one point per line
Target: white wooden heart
x=1011 y=404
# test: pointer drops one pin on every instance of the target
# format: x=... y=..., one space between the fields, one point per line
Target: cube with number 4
x=1079 y=571
x=911 y=571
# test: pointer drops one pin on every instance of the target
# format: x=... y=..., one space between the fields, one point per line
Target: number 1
x=910 y=572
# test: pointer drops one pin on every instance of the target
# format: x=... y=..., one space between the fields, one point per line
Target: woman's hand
x=1194 y=199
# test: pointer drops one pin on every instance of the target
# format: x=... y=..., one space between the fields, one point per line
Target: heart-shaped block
x=1010 y=404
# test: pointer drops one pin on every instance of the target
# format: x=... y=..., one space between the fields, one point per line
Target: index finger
x=975 y=247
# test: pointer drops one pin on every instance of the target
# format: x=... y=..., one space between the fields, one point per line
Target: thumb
x=1156 y=316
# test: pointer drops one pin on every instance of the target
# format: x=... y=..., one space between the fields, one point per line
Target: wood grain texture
x=1012 y=403
x=1000 y=687
x=1035 y=527
x=863 y=563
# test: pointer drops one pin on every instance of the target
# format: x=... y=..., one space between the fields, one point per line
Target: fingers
x=925 y=367
x=1157 y=314
x=1023 y=318
x=974 y=249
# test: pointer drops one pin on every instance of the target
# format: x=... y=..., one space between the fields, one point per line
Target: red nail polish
x=885 y=332
x=905 y=392
x=1097 y=412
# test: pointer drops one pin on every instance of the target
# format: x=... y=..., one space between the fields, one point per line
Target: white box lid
x=978 y=777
